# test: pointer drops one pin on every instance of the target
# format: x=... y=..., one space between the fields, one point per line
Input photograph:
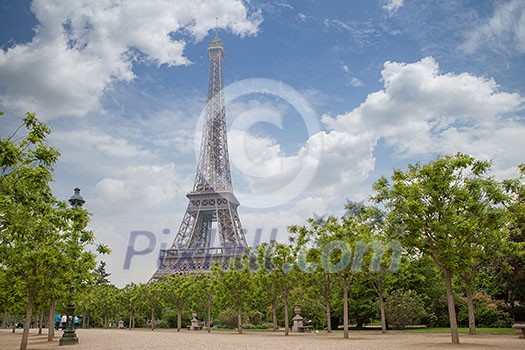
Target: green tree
x=309 y=241
x=131 y=300
x=100 y=273
x=510 y=269
x=447 y=209
x=154 y=297
x=38 y=231
x=420 y=274
x=235 y=285
x=205 y=285
x=340 y=236
x=105 y=301
x=268 y=288
x=284 y=275
x=374 y=258
x=177 y=291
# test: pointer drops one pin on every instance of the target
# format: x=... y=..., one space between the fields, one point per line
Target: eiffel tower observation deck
x=211 y=199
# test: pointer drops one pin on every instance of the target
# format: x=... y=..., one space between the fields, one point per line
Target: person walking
x=76 y=322
x=58 y=319
x=64 y=321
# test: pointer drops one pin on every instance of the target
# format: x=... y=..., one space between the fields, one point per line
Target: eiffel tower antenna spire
x=211 y=199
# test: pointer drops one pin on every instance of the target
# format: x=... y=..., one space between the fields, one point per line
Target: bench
x=520 y=326
x=194 y=328
x=304 y=329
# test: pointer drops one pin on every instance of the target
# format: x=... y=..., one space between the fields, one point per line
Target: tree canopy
x=43 y=241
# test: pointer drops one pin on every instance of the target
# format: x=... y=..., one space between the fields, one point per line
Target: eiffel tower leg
x=201 y=231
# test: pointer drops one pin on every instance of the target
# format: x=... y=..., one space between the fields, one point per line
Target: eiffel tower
x=212 y=199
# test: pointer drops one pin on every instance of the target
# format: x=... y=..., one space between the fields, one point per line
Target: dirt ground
x=265 y=340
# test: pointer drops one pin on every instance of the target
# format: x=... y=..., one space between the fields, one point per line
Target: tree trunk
x=41 y=322
x=85 y=321
x=274 y=314
x=451 y=306
x=27 y=322
x=51 y=319
x=345 y=309
x=239 y=318
x=470 y=304
x=286 y=321
x=328 y=318
x=130 y=324
x=14 y=322
x=209 y=312
x=383 y=314
x=152 y=319
x=378 y=286
x=4 y=320
x=326 y=295
x=179 y=319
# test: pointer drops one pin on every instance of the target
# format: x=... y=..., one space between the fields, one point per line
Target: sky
x=322 y=99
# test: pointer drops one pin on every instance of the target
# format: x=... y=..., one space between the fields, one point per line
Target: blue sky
x=323 y=98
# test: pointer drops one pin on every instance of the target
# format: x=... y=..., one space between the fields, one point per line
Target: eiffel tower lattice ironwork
x=212 y=199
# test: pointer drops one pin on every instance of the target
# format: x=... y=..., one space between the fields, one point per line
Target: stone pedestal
x=298 y=325
x=195 y=323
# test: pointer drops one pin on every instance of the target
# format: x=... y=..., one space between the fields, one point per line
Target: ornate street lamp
x=76 y=199
x=70 y=337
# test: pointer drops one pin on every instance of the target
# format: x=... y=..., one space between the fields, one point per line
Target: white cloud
x=326 y=163
x=392 y=6
x=353 y=81
x=421 y=111
x=504 y=32
x=256 y=157
x=356 y=82
x=271 y=176
x=338 y=25
x=82 y=47
x=318 y=98
x=346 y=159
x=267 y=220
x=105 y=144
x=137 y=188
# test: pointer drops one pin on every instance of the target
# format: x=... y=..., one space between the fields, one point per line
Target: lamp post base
x=68 y=338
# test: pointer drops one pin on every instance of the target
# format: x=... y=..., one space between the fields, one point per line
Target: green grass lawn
x=464 y=330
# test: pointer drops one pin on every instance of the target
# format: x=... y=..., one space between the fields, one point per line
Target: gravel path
x=100 y=339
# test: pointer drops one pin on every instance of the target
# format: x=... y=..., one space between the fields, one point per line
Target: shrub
x=488 y=312
x=227 y=319
x=403 y=308
x=257 y=326
x=162 y=324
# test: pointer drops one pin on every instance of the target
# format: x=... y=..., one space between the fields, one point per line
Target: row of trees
x=43 y=242
x=444 y=240
x=439 y=242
